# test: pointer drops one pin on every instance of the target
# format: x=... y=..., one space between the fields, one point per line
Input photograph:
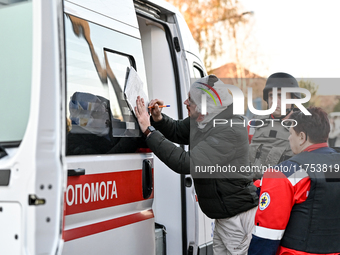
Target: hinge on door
x=190 y=250
x=177 y=46
x=34 y=200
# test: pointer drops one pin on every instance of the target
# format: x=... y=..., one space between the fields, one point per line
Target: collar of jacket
x=225 y=115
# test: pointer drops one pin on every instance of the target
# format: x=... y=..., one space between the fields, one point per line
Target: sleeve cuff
x=153 y=134
x=267 y=233
x=158 y=123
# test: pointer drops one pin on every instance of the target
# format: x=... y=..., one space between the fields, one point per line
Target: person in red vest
x=299 y=209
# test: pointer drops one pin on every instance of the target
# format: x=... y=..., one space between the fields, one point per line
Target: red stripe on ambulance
x=96 y=191
x=96 y=228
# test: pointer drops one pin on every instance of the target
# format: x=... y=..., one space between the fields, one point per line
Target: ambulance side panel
x=107 y=210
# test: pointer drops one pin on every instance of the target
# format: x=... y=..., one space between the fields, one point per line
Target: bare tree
x=212 y=24
x=337 y=107
x=312 y=88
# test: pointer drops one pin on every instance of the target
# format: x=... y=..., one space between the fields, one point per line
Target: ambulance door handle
x=76 y=172
x=147 y=180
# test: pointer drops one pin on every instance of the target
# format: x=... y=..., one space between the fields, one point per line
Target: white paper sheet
x=134 y=88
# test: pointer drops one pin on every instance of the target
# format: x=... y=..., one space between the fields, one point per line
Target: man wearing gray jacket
x=217 y=155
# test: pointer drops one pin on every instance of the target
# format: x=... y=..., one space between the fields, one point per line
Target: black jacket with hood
x=220 y=195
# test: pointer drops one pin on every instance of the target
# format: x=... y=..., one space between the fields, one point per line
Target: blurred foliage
x=312 y=88
x=212 y=23
x=337 y=107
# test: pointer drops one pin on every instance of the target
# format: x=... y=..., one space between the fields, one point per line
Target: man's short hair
x=315 y=126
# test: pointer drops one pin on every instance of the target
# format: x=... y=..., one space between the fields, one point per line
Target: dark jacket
x=314 y=225
x=222 y=195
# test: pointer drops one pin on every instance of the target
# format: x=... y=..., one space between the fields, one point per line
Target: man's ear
x=302 y=138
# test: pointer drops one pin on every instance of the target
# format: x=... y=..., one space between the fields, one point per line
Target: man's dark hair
x=315 y=126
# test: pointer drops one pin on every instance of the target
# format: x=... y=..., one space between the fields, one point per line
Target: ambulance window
x=15 y=70
x=99 y=119
x=117 y=65
x=198 y=72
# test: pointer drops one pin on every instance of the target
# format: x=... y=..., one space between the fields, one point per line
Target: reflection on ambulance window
x=99 y=119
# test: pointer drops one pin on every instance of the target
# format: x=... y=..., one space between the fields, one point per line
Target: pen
x=160 y=106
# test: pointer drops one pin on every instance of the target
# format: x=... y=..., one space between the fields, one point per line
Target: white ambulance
x=75 y=176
